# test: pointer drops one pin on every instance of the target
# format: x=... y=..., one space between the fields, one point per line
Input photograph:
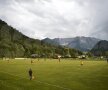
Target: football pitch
x=54 y=75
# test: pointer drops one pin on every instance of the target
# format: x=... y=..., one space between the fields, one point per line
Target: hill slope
x=101 y=48
x=15 y=44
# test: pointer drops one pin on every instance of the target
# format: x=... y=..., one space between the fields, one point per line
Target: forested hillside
x=100 y=49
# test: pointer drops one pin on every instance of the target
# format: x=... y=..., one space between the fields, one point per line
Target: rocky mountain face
x=80 y=43
x=101 y=48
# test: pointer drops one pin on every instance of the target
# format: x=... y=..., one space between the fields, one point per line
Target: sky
x=40 y=19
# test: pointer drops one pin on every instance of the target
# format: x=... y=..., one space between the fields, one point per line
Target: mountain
x=101 y=48
x=80 y=43
x=14 y=44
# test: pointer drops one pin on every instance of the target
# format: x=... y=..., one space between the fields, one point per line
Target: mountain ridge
x=81 y=43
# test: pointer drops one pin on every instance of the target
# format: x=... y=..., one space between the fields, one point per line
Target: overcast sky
x=57 y=18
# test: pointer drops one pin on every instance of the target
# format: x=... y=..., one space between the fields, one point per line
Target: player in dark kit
x=30 y=73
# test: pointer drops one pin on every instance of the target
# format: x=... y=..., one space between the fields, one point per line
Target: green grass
x=52 y=75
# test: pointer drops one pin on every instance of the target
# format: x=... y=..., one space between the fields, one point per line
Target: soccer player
x=31 y=61
x=30 y=74
x=81 y=62
x=59 y=58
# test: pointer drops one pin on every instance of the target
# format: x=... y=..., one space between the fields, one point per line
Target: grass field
x=54 y=75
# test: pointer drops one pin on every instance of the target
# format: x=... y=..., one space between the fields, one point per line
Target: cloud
x=57 y=18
